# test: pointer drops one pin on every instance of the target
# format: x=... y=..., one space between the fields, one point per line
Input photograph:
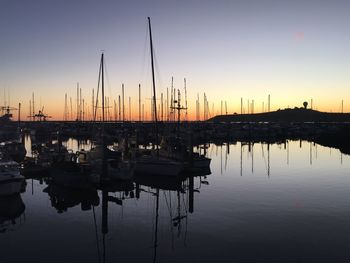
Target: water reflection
x=62 y=197
x=78 y=145
x=292 y=196
x=11 y=212
x=248 y=155
x=72 y=144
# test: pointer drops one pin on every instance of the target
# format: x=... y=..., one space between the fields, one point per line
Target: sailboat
x=174 y=148
x=99 y=156
x=153 y=163
x=11 y=181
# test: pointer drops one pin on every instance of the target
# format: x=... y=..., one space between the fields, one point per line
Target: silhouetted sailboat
x=153 y=163
x=99 y=156
x=11 y=181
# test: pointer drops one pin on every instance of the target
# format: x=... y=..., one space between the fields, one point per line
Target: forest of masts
x=172 y=107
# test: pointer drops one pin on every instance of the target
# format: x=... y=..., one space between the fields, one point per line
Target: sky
x=293 y=50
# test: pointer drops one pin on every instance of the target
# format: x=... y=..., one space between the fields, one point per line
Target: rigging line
x=107 y=77
x=96 y=235
x=166 y=201
x=158 y=75
x=170 y=202
x=145 y=52
x=179 y=214
x=104 y=248
x=262 y=149
x=186 y=227
x=184 y=203
x=153 y=216
x=171 y=226
x=98 y=89
x=156 y=229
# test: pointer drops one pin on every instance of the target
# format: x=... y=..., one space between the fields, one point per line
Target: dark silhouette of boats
x=63 y=197
x=11 y=181
x=152 y=162
x=178 y=187
x=11 y=210
x=14 y=150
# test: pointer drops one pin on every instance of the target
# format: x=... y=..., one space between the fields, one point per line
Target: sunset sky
x=294 y=50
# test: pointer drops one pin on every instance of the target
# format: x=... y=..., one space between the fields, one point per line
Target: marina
x=174 y=131
x=298 y=201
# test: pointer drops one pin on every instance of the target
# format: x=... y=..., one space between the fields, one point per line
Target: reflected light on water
x=262 y=202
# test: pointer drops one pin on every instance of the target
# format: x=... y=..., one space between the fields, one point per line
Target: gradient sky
x=294 y=50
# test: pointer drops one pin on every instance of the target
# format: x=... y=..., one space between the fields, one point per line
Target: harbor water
x=261 y=202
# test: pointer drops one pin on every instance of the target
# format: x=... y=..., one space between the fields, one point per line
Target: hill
x=286 y=115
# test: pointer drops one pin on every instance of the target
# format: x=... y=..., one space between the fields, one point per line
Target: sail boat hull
x=11 y=181
x=158 y=166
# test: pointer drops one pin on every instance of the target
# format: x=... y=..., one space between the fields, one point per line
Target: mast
x=123 y=102
x=154 y=84
x=186 y=118
x=161 y=107
x=104 y=163
x=80 y=106
x=139 y=102
x=241 y=106
x=4 y=97
x=119 y=108
x=204 y=116
x=19 y=113
x=30 y=110
x=103 y=91
x=167 y=104
x=115 y=111
x=83 y=110
x=33 y=106
x=93 y=100
x=129 y=108
x=173 y=98
x=78 y=101
x=107 y=109
x=71 y=108
x=198 y=108
x=65 y=107
x=178 y=107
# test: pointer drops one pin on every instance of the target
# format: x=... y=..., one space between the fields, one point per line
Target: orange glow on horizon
x=56 y=111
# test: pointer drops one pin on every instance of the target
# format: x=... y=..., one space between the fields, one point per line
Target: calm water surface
x=262 y=203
